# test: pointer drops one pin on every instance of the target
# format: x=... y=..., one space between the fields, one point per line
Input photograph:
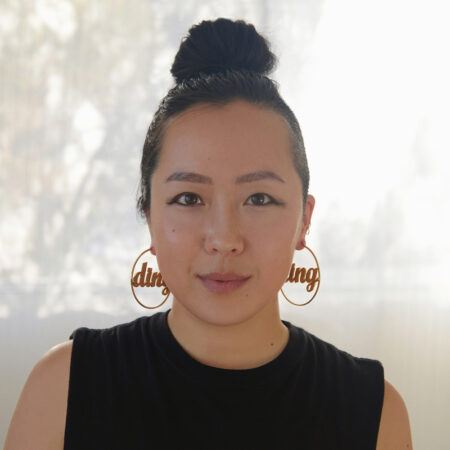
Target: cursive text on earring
x=147 y=278
x=302 y=275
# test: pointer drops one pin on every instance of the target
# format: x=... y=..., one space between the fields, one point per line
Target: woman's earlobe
x=300 y=244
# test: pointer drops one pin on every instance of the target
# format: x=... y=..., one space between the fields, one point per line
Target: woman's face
x=225 y=197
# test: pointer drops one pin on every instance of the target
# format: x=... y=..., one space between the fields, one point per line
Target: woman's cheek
x=176 y=229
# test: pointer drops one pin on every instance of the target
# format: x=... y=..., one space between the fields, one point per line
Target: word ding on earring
x=303 y=275
x=148 y=277
x=144 y=278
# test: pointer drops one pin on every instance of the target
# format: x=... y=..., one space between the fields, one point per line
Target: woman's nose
x=224 y=234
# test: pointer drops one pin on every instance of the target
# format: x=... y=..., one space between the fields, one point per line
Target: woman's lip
x=228 y=276
x=222 y=286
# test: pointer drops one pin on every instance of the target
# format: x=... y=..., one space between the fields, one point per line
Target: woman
x=224 y=190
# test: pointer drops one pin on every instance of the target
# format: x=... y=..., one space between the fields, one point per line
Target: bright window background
x=79 y=82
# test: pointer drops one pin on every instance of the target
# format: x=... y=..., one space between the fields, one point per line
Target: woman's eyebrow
x=194 y=177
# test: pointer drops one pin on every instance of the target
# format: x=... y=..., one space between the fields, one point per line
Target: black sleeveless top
x=133 y=387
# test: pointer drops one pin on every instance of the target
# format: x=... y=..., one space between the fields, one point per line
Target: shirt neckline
x=175 y=355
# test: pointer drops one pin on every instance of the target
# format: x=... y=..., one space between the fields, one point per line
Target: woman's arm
x=394 y=432
x=39 y=420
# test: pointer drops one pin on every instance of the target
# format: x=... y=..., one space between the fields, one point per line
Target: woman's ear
x=306 y=222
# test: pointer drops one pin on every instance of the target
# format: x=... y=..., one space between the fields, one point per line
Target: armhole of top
x=72 y=435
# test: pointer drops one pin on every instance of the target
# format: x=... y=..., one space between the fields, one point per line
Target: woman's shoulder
x=39 y=419
x=330 y=356
x=394 y=431
x=366 y=376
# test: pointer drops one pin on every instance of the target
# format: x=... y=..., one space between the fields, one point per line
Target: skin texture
x=38 y=422
x=394 y=432
x=224 y=231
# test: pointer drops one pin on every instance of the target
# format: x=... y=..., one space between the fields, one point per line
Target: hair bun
x=220 y=45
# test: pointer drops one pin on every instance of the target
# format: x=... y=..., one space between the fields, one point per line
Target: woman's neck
x=245 y=345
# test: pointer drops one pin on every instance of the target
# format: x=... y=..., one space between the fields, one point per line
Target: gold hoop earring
x=302 y=275
x=147 y=277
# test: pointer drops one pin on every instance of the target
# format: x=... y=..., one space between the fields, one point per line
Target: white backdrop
x=368 y=81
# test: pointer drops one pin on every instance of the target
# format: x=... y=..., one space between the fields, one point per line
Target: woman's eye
x=190 y=199
x=259 y=199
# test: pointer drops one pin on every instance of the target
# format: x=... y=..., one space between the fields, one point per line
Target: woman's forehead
x=239 y=131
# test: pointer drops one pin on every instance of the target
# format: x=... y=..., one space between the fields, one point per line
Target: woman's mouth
x=222 y=286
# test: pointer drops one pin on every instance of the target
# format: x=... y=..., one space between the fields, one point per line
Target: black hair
x=218 y=62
